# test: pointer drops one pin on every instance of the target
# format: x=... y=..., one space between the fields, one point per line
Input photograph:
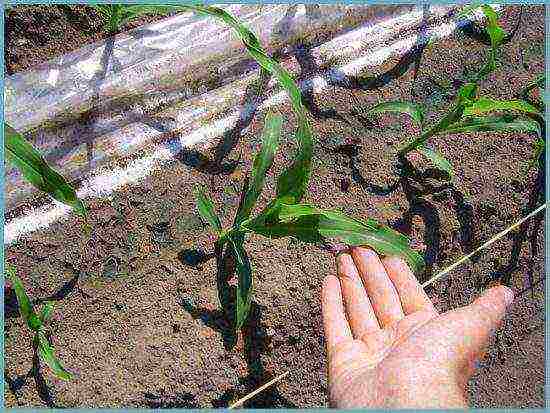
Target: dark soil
x=36 y=33
x=137 y=313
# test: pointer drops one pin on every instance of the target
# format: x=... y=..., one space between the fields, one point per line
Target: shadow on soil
x=416 y=186
x=256 y=341
x=475 y=32
x=43 y=390
x=528 y=232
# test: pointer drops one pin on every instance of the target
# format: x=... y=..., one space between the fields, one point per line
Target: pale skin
x=388 y=346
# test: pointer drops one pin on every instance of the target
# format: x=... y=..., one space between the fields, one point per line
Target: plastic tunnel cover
x=110 y=103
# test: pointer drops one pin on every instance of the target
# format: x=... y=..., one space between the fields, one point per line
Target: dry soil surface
x=137 y=313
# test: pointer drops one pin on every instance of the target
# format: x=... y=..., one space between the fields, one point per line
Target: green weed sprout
x=36 y=170
x=469 y=112
x=285 y=216
x=36 y=322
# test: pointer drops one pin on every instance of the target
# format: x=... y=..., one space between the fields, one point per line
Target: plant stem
x=452 y=116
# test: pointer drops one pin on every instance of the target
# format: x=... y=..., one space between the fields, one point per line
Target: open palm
x=387 y=345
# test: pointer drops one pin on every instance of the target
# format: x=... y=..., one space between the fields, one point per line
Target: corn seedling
x=37 y=323
x=36 y=170
x=469 y=112
x=284 y=216
x=301 y=169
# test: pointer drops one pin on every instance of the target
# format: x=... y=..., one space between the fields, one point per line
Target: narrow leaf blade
x=35 y=169
x=415 y=111
x=46 y=312
x=47 y=355
x=484 y=105
x=495 y=124
x=438 y=160
x=25 y=305
x=244 y=289
x=313 y=225
x=206 y=210
x=292 y=183
x=262 y=164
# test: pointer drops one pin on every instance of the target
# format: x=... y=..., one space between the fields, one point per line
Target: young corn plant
x=37 y=322
x=469 y=112
x=36 y=170
x=285 y=216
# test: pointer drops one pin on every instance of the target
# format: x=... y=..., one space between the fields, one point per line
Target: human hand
x=387 y=345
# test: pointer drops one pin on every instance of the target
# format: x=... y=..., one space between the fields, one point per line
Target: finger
x=336 y=325
x=358 y=307
x=486 y=314
x=411 y=294
x=474 y=324
x=380 y=290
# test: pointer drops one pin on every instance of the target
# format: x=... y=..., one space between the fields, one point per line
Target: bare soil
x=34 y=34
x=137 y=315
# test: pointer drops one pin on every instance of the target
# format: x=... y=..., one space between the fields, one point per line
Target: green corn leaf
x=438 y=160
x=46 y=312
x=415 y=111
x=497 y=35
x=451 y=117
x=484 y=105
x=337 y=226
x=292 y=183
x=503 y=123
x=36 y=170
x=46 y=354
x=262 y=164
x=305 y=228
x=207 y=210
x=465 y=96
x=244 y=289
x=25 y=305
x=311 y=224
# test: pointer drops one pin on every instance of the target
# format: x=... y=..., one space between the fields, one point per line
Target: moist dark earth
x=137 y=313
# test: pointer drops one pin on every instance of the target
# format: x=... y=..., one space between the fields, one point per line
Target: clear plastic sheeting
x=110 y=124
x=166 y=56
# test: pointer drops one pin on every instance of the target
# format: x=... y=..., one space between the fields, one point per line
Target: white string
x=259 y=389
x=485 y=245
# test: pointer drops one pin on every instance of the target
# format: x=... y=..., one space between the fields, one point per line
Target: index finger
x=412 y=295
x=337 y=329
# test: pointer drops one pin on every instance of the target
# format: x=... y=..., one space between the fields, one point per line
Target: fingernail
x=508 y=295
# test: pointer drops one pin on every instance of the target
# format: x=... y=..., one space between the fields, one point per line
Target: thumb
x=480 y=320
